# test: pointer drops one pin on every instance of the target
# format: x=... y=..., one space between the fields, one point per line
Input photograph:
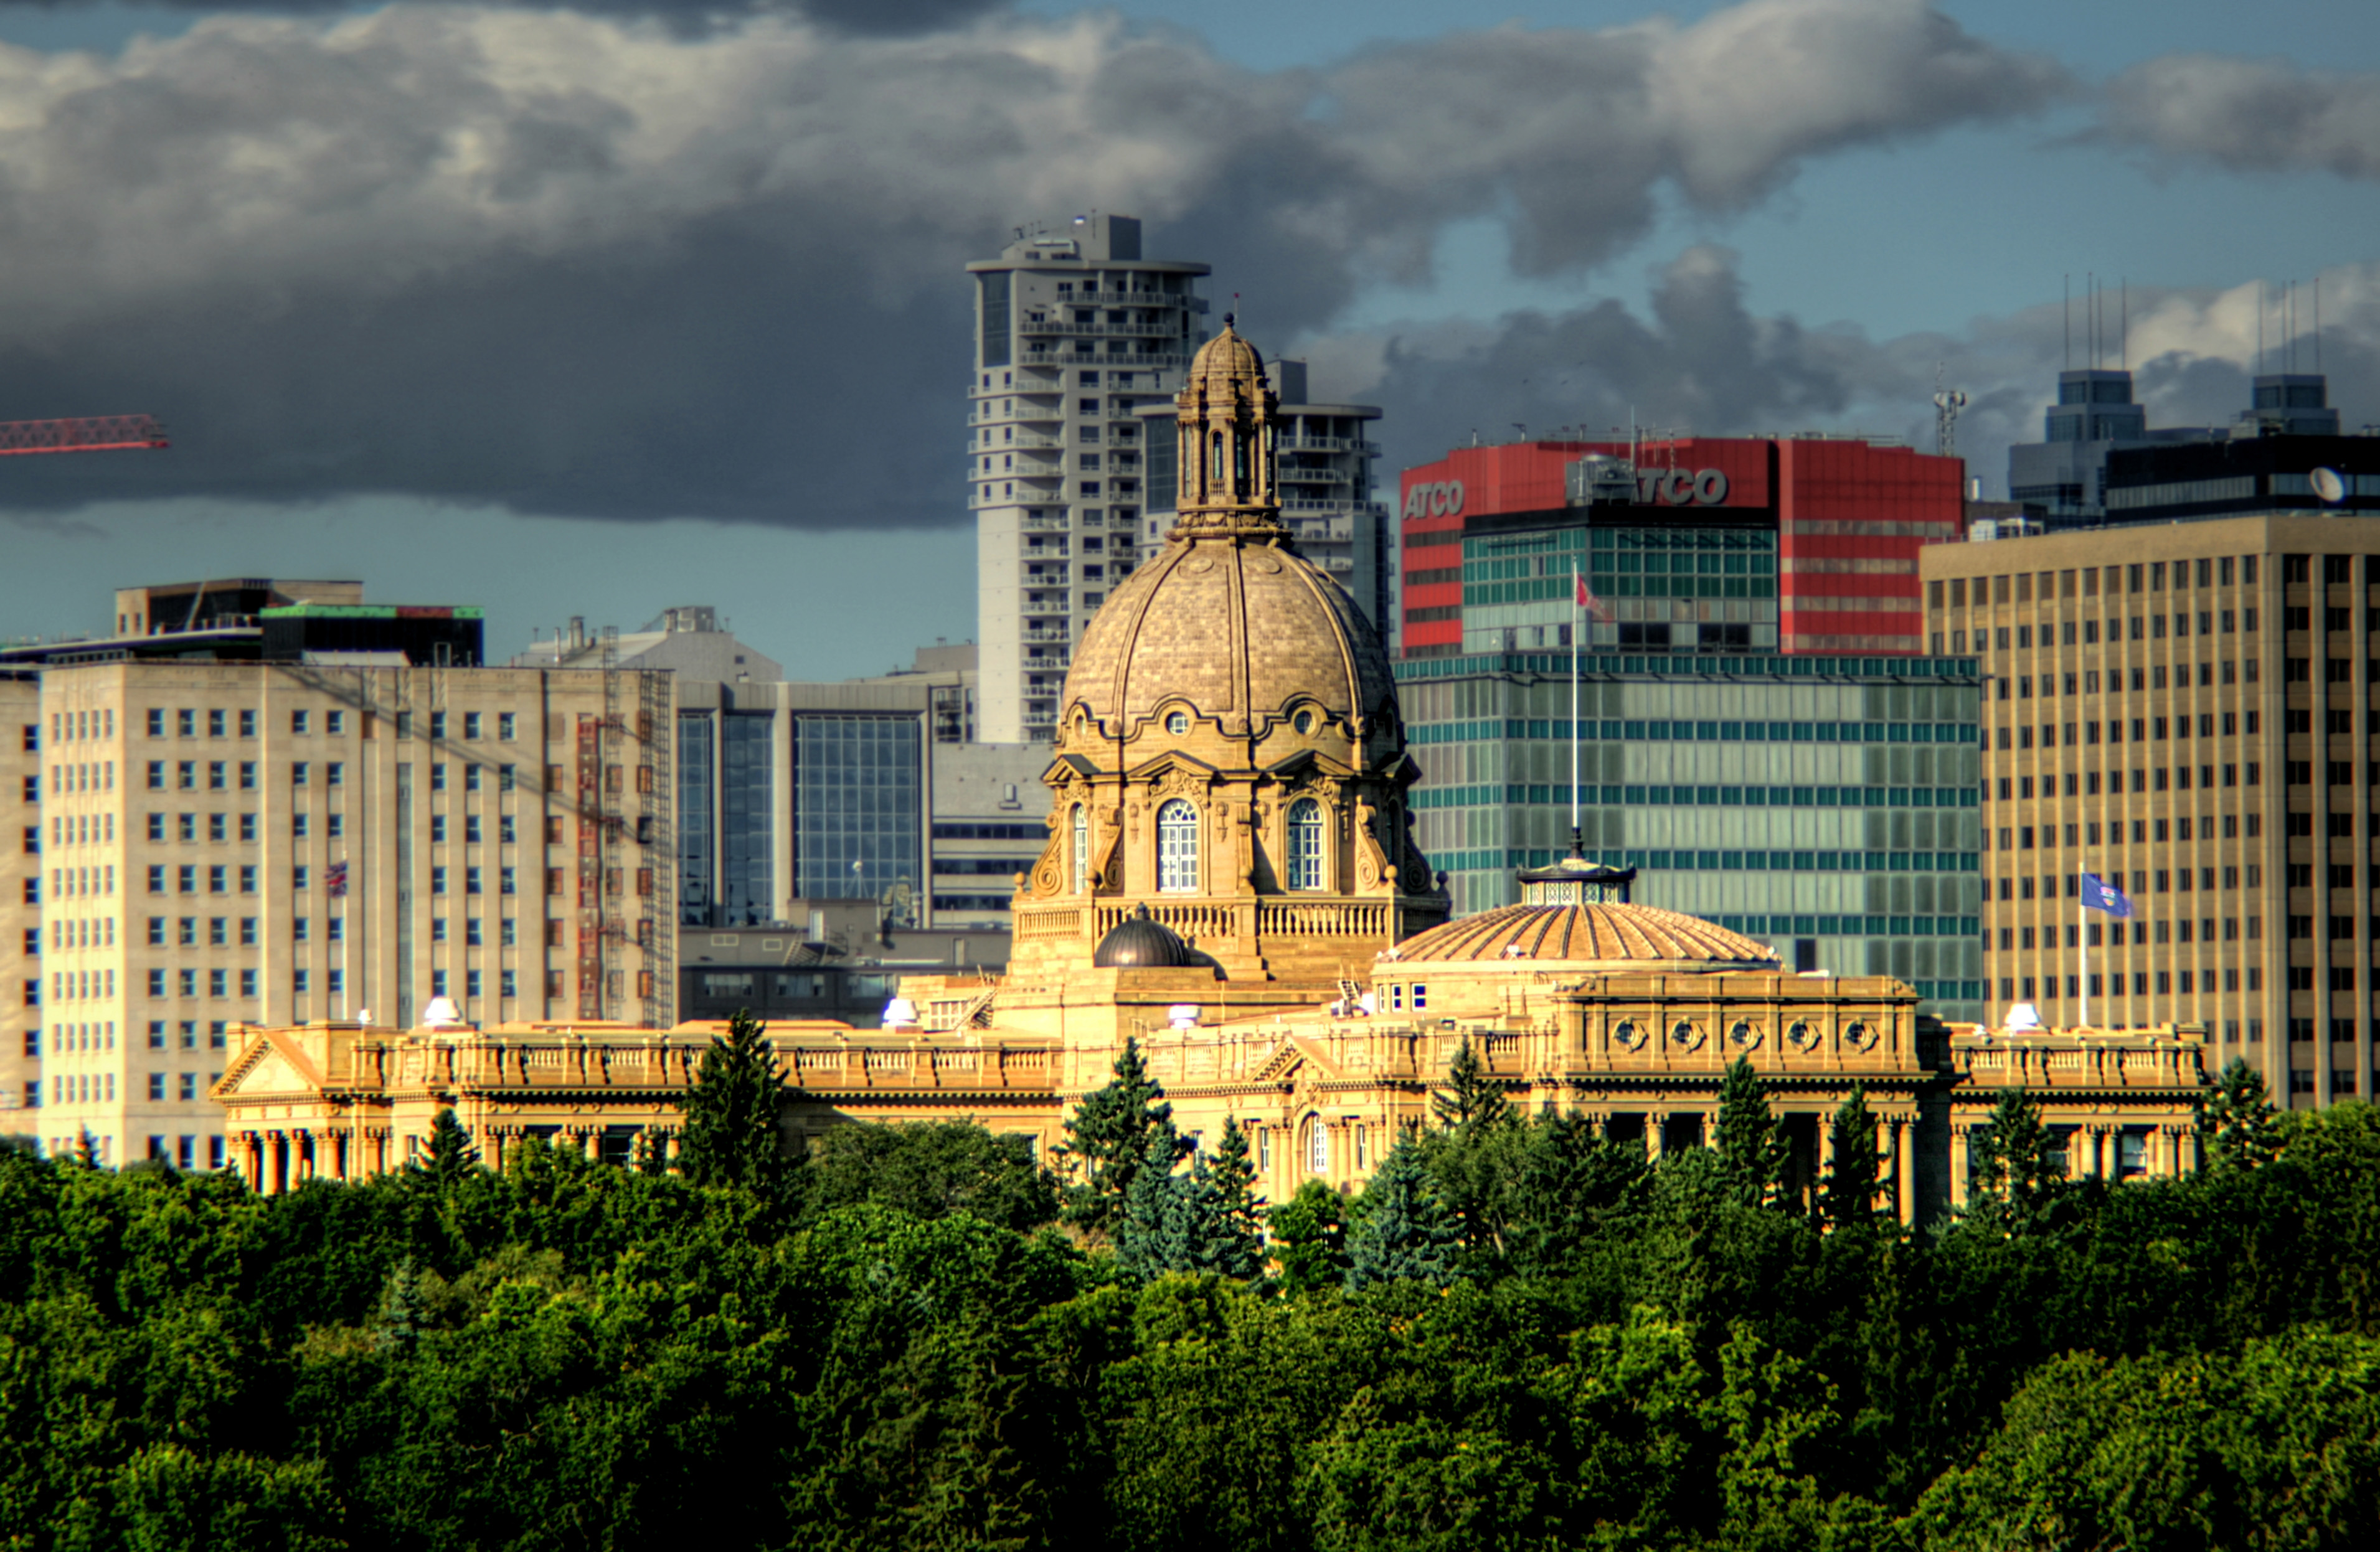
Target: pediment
x=1305 y=762
x=269 y=1067
x=1172 y=762
x=1068 y=764
x=1296 y=1057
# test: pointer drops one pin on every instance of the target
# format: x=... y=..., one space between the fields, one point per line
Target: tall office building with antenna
x=1074 y=331
x=2099 y=461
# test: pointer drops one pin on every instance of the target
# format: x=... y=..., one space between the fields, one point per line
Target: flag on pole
x=2100 y=895
x=1586 y=598
x=336 y=877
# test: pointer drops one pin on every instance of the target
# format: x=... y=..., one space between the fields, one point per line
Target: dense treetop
x=1523 y=1335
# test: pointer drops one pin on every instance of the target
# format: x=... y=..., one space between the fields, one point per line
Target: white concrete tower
x=1074 y=331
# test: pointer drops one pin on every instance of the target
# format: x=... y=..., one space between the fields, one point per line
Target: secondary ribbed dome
x=1598 y=937
x=1234 y=629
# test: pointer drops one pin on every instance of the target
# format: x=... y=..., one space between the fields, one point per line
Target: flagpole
x=1577 y=617
x=2082 y=913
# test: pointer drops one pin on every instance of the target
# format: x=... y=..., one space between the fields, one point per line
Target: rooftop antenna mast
x=1948 y=403
x=2066 y=289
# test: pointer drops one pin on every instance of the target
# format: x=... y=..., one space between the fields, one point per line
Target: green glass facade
x=1824 y=804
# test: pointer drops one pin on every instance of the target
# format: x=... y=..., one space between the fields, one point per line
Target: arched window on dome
x=1216 y=472
x=1306 y=844
x=1240 y=461
x=1082 y=844
x=1177 y=848
x=1318 y=1146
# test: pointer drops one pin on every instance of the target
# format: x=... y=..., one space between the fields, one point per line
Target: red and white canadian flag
x=1586 y=598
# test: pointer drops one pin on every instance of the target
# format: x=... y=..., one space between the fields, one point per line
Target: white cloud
x=2249 y=115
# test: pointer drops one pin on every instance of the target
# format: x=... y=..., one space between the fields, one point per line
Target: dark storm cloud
x=1704 y=363
x=2249 y=115
x=882 y=16
x=572 y=266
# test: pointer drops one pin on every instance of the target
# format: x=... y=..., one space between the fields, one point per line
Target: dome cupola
x=1141 y=942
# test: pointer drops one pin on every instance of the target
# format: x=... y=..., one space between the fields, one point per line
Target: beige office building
x=2186 y=710
x=233 y=843
x=20 y=904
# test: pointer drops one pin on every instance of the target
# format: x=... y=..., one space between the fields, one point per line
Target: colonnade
x=278 y=1160
x=2093 y=1151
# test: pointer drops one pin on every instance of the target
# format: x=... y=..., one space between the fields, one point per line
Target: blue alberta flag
x=2100 y=895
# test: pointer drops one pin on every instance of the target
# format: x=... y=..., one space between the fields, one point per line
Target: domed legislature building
x=1230 y=878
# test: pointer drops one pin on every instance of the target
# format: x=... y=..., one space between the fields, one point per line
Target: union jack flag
x=336 y=877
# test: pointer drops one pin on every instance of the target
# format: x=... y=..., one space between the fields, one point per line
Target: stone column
x=1657 y=1122
x=1905 y=1168
x=1959 y=1166
x=1883 y=1164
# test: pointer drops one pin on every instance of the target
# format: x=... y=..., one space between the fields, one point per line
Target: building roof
x=1604 y=936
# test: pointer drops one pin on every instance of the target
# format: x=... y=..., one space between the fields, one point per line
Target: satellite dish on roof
x=441 y=1013
x=2023 y=1016
x=2328 y=484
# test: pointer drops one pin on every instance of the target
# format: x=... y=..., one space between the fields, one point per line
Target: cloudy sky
x=595 y=309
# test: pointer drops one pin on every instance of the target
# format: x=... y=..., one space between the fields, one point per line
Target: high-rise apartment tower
x=1074 y=330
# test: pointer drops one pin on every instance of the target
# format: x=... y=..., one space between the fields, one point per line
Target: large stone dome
x=1246 y=632
x=1591 y=938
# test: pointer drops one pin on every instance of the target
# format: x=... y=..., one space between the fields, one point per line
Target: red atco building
x=1725 y=544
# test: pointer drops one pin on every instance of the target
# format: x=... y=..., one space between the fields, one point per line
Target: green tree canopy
x=1309 y=1238
x=1473 y=1099
x=451 y=1158
x=929 y=1169
x=2017 y=1174
x=2238 y=1123
x=1752 y=1147
x=1178 y=1222
x=734 y=1134
x=1110 y=1136
x=1847 y=1196
x=1402 y=1230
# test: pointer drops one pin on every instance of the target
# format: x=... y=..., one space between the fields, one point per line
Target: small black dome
x=1138 y=943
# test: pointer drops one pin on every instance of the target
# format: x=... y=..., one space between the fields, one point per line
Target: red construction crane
x=89 y=433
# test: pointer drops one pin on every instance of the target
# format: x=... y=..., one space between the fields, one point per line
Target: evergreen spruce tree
x=1848 y=1194
x=404 y=1309
x=2016 y=1172
x=732 y=1135
x=1753 y=1152
x=1403 y=1229
x=1235 y=1177
x=1310 y=1239
x=2237 y=1118
x=1148 y=1231
x=1473 y=1101
x=1178 y=1222
x=450 y=1158
x=1110 y=1135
